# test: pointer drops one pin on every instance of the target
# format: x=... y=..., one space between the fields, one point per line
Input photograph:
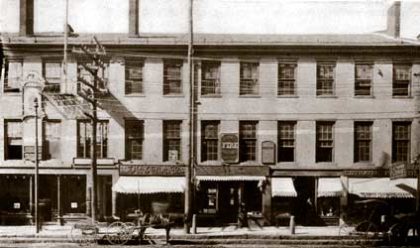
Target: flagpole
x=65 y=43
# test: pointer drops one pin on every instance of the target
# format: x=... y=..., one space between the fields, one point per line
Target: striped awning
x=149 y=185
x=383 y=187
x=329 y=187
x=282 y=187
x=229 y=178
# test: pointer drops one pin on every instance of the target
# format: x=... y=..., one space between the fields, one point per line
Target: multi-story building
x=316 y=120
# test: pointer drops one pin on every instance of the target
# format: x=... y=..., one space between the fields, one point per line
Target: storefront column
x=88 y=195
x=316 y=196
x=344 y=197
x=31 y=196
x=59 y=213
x=114 y=196
x=266 y=202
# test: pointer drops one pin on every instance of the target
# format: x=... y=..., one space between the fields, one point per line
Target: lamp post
x=36 y=167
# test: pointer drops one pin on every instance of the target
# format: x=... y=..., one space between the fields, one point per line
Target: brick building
x=319 y=119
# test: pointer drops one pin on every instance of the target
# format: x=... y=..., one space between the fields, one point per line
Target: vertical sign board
x=268 y=152
x=230 y=148
x=397 y=170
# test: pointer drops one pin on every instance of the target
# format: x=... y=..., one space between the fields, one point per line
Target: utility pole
x=36 y=167
x=91 y=94
x=66 y=35
x=191 y=122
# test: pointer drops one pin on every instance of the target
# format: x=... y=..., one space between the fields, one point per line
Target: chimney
x=394 y=19
x=26 y=26
x=133 y=22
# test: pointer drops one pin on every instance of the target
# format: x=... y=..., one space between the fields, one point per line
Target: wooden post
x=59 y=214
x=266 y=202
x=31 y=197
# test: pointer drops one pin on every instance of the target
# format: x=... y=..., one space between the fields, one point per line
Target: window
x=13 y=135
x=401 y=133
x=84 y=133
x=286 y=79
x=52 y=133
x=286 y=141
x=171 y=140
x=249 y=79
x=247 y=140
x=13 y=75
x=133 y=77
x=401 y=80
x=362 y=141
x=103 y=73
x=172 y=81
x=210 y=78
x=51 y=70
x=363 y=79
x=134 y=139
x=325 y=73
x=209 y=140
x=324 y=142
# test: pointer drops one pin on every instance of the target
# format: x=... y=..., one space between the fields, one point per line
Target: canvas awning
x=383 y=187
x=229 y=178
x=149 y=185
x=283 y=187
x=329 y=187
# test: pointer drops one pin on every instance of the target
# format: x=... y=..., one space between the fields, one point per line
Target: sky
x=218 y=16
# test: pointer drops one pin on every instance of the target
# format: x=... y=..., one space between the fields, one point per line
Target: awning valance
x=230 y=178
x=283 y=186
x=149 y=185
x=329 y=187
x=383 y=187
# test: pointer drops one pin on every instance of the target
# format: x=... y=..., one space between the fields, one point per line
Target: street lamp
x=36 y=167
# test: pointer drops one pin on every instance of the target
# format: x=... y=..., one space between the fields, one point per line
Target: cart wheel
x=118 y=233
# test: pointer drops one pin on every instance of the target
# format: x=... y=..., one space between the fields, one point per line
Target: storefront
x=328 y=203
x=283 y=199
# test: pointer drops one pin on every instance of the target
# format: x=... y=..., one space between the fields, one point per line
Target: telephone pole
x=36 y=168
x=191 y=122
x=90 y=93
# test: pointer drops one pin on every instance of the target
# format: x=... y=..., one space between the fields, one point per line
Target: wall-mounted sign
x=397 y=170
x=29 y=152
x=73 y=205
x=230 y=148
x=268 y=152
x=16 y=205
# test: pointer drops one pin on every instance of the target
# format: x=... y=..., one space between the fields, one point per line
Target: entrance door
x=228 y=202
x=105 y=195
x=305 y=210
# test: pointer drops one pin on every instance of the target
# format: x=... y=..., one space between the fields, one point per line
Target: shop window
x=249 y=78
x=84 y=134
x=51 y=71
x=324 y=141
x=52 y=134
x=401 y=80
x=172 y=140
x=172 y=79
x=209 y=140
x=286 y=79
x=210 y=205
x=12 y=75
x=362 y=141
x=13 y=134
x=329 y=206
x=134 y=139
x=286 y=141
x=133 y=77
x=210 y=78
x=401 y=132
x=248 y=140
x=325 y=73
x=363 y=79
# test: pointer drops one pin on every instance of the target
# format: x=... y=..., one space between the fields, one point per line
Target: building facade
x=314 y=121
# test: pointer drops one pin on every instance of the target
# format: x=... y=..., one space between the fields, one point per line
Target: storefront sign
x=230 y=148
x=398 y=170
x=29 y=153
x=151 y=170
x=233 y=170
x=268 y=152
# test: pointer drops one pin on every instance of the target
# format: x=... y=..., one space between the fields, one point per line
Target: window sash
x=210 y=78
x=85 y=139
x=325 y=79
x=248 y=141
x=249 y=78
x=172 y=78
x=134 y=78
x=210 y=140
x=13 y=75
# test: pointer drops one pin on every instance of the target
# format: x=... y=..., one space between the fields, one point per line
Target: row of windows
x=211 y=82
x=134 y=136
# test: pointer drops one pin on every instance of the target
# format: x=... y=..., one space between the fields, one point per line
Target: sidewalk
x=56 y=231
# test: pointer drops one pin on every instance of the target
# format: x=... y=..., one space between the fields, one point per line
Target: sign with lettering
x=268 y=152
x=398 y=170
x=151 y=170
x=230 y=148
